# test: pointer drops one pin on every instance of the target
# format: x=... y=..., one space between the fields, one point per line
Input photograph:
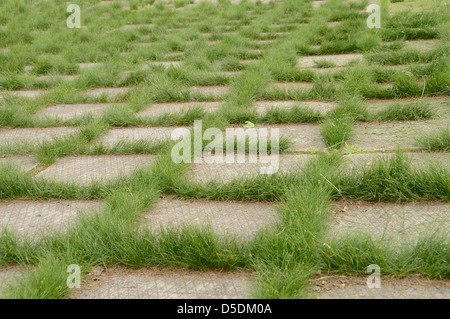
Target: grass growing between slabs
x=282 y=256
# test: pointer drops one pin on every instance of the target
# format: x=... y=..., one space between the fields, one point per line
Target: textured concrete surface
x=403 y=223
x=149 y=134
x=318 y=4
x=120 y=283
x=321 y=106
x=7 y=276
x=31 y=94
x=110 y=92
x=337 y=59
x=70 y=111
x=86 y=169
x=291 y=86
x=346 y=287
x=25 y=163
x=225 y=217
x=33 y=135
x=216 y=91
x=226 y=172
x=388 y=135
x=166 y=64
x=159 y=109
x=33 y=219
x=303 y=136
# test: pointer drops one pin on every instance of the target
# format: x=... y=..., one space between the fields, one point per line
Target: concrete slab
x=33 y=219
x=130 y=135
x=321 y=106
x=226 y=172
x=388 y=135
x=66 y=112
x=218 y=91
x=26 y=163
x=33 y=135
x=158 y=109
x=84 y=170
x=291 y=86
x=7 y=276
x=403 y=223
x=337 y=59
x=346 y=287
x=110 y=92
x=225 y=217
x=120 y=283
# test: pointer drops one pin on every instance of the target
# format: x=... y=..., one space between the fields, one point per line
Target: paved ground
x=403 y=223
x=342 y=287
x=84 y=170
x=120 y=283
x=33 y=219
x=7 y=276
x=33 y=135
x=235 y=218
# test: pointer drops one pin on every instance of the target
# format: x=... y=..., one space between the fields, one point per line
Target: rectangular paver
x=337 y=59
x=225 y=217
x=33 y=219
x=159 y=109
x=120 y=283
x=390 y=135
x=147 y=134
x=87 y=169
x=226 y=172
x=70 y=111
x=346 y=287
x=33 y=135
x=402 y=223
x=26 y=163
x=321 y=106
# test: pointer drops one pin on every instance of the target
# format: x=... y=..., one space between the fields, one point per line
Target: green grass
x=282 y=256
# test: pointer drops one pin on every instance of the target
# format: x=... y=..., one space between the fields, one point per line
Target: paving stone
x=226 y=217
x=149 y=134
x=166 y=64
x=84 y=170
x=158 y=109
x=120 y=283
x=7 y=276
x=403 y=223
x=303 y=136
x=33 y=135
x=289 y=86
x=226 y=172
x=31 y=94
x=110 y=92
x=337 y=59
x=321 y=106
x=216 y=91
x=318 y=4
x=346 y=287
x=389 y=135
x=57 y=77
x=26 y=163
x=70 y=111
x=34 y=219
x=89 y=65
